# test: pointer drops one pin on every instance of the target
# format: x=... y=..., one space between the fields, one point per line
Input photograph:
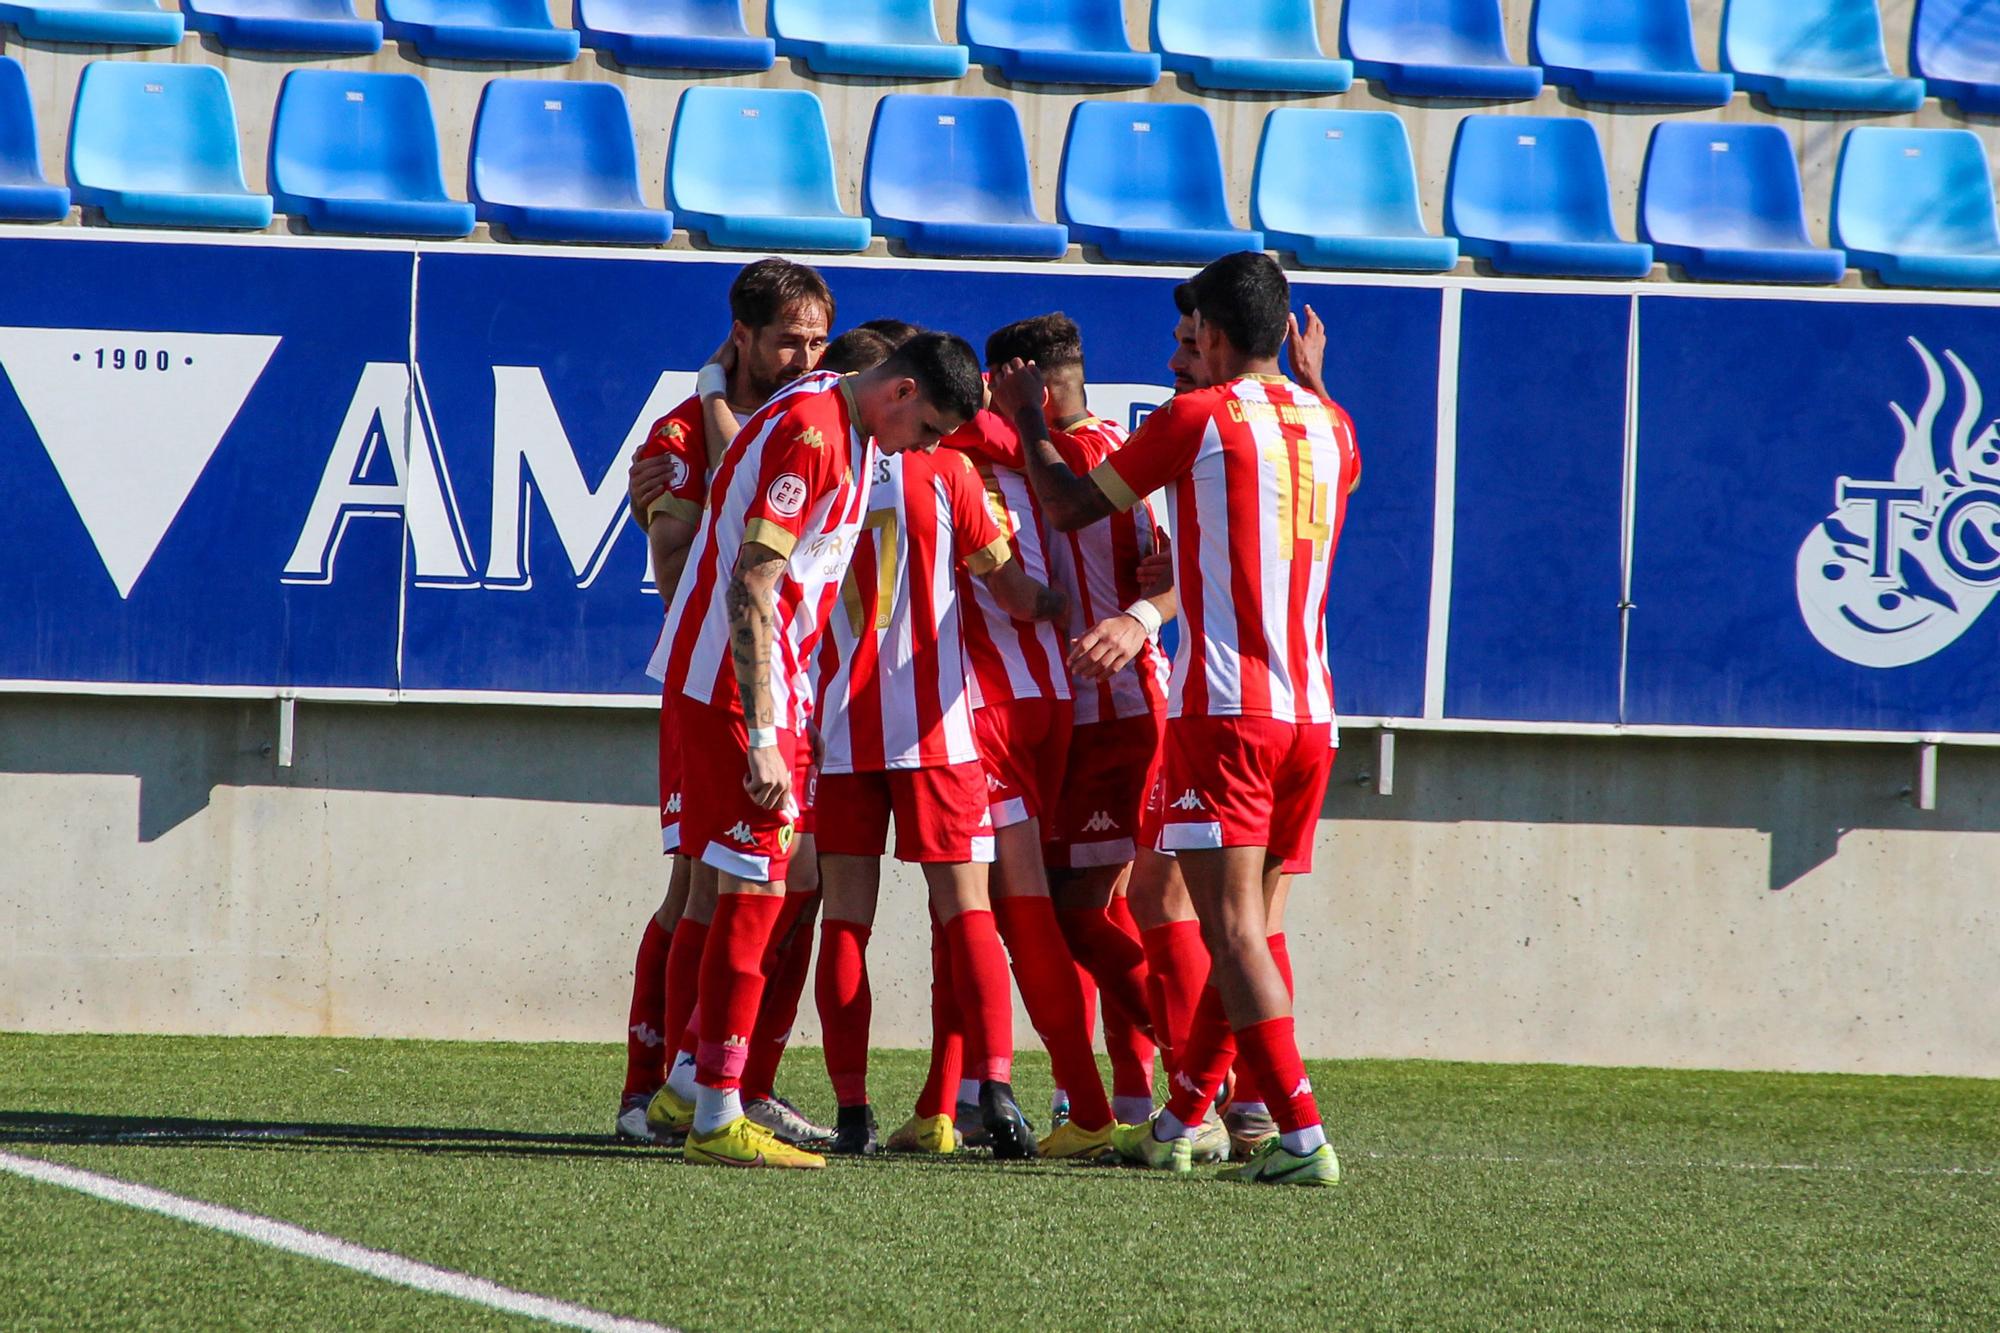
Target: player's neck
x=742 y=399
x=1244 y=367
x=1066 y=412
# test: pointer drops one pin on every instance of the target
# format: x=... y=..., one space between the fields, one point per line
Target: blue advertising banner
x=1818 y=529
x=1538 y=521
x=171 y=415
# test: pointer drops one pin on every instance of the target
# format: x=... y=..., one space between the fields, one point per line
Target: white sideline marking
x=1688 y=1164
x=345 y=1254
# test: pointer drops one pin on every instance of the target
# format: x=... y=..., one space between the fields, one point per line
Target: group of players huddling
x=899 y=590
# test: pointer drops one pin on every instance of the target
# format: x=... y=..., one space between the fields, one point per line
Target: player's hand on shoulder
x=647 y=481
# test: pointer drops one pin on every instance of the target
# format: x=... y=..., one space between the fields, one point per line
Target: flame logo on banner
x=1902 y=567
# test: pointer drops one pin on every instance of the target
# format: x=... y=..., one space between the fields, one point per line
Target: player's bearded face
x=786 y=348
x=1185 y=363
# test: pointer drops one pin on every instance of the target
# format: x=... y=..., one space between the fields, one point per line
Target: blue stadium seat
x=155 y=146
x=1723 y=202
x=555 y=160
x=1067 y=41
x=1625 y=51
x=25 y=195
x=949 y=175
x=518 y=31
x=1955 y=48
x=752 y=168
x=1266 y=45
x=896 y=39
x=1529 y=194
x=1143 y=181
x=1435 y=48
x=1339 y=189
x=96 y=22
x=353 y=151
x=1917 y=207
x=1814 y=55
x=674 y=34
x=329 y=26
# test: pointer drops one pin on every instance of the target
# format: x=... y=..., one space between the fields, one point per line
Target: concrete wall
x=455 y=87
x=482 y=872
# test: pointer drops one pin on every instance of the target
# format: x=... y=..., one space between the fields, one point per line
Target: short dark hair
x=1246 y=296
x=1184 y=297
x=765 y=290
x=897 y=331
x=946 y=372
x=1051 y=341
x=856 y=349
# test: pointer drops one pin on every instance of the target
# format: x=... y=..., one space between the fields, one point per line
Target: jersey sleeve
x=1163 y=448
x=681 y=439
x=988 y=436
x=977 y=539
x=794 y=468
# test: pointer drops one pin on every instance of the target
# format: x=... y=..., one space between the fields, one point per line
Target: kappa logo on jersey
x=1904 y=566
x=787 y=494
x=1188 y=801
x=738 y=832
x=811 y=438
x=1101 y=822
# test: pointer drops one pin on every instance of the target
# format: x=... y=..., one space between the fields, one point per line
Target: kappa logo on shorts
x=787 y=494
x=1099 y=823
x=739 y=832
x=1188 y=801
x=993 y=783
x=673 y=805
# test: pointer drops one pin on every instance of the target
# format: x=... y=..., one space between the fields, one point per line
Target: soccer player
x=1259 y=471
x=897 y=721
x=780 y=312
x=784 y=513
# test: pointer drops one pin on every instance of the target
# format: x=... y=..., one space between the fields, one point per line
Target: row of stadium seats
x=1802 y=54
x=752 y=169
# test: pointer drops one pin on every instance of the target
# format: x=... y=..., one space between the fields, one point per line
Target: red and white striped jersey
x=1011 y=659
x=796 y=480
x=1258 y=472
x=1101 y=575
x=891 y=666
x=681 y=436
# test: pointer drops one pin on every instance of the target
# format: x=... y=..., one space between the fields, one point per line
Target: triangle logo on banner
x=130 y=420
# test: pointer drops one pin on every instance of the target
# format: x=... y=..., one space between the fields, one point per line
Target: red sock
x=645 y=1047
x=940 y=1092
x=683 y=980
x=1049 y=988
x=1088 y=985
x=1131 y=1056
x=1247 y=1085
x=1114 y=959
x=1178 y=960
x=1281 y=954
x=845 y=1007
x=784 y=983
x=1271 y=1048
x=1200 y=1065
x=985 y=1003
x=732 y=984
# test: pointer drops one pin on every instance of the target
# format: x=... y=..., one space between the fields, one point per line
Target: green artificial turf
x=1476 y=1197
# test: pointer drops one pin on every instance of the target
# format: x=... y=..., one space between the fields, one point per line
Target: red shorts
x=1024 y=745
x=941 y=814
x=670 y=771
x=1246 y=782
x=1113 y=766
x=805 y=786
x=720 y=824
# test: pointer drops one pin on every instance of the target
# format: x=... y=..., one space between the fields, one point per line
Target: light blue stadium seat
x=1057 y=41
x=1815 y=55
x=1143 y=181
x=674 y=34
x=1625 y=51
x=329 y=26
x=752 y=168
x=155 y=146
x=1723 y=202
x=949 y=176
x=896 y=39
x=1955 y=48
x=554 y=160
x=518 y=31
x=25 y=194
x=1435 y=48
x=353 y=151
x=1917 y=207
x=1529 y=194
x=96 y=22
x=1339 y=189
x=1264 y=45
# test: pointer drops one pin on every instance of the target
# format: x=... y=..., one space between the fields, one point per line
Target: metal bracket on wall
x=1385 y=763
x=1924 y=794
x=287 y=727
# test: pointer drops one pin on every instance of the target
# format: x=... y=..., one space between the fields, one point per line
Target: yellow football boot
x=925 y=1133
x=744 y=1143
x=1136 y=1144
x=1271 y=1164
x=1071 y=1142
x=669 y=1115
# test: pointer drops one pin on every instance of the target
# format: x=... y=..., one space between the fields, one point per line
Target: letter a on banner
x=130 y=420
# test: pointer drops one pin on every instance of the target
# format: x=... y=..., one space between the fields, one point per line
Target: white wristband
x=1146 y=614
x=711 y=382
x=763 y=738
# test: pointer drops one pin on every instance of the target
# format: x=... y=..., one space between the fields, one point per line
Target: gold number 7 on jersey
x=1301 y=502
x=886 y=555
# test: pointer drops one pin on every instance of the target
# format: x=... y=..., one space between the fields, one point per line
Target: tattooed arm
x=1069 y=501
x=1022 y=597
x=750 y=602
